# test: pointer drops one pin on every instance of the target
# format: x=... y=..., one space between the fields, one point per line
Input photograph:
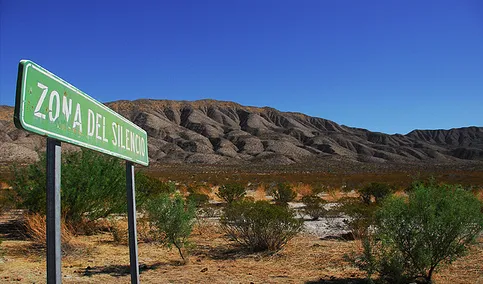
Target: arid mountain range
x=217 y=132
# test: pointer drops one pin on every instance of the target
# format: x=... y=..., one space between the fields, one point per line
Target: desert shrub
x=35 y=227
x=5 y=203
x=375 y=190
x=260 y=225
x=118 y=227
x=93 y=186
x=361 y=215
x=198 y=199
x=148 y=187
x=231 y=192
x=313 y=206
x=302 y=189
x=412 y=237
x=417 y=182
x=119 y=231
x=29 y=186
x=283 y=193
x=5 y=191
x=171 y=220
x=318 y=188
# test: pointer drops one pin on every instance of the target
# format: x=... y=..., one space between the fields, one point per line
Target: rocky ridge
x=217 y=132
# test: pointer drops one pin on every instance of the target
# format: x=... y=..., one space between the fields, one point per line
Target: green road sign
x=49 y=106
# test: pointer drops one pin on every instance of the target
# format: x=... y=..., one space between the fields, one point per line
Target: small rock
x=204 y=269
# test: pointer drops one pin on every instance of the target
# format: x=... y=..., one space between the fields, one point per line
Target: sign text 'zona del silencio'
x=49 y=106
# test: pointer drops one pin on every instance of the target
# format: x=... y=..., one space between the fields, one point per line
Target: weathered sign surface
x=49 y=106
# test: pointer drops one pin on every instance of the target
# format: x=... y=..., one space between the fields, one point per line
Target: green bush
x=260 y=225
x=283 y=193
x=198 y=199
x=149 y=187
x=93 y=186
x=29 y=186
x=231 y=192
x=375 y=190
x=361 y=215
x=5 y=200
x=318 y=188
x=412 y=237
x=172 y=220
x=313 y=206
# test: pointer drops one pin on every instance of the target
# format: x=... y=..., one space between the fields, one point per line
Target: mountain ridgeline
x=217 y=132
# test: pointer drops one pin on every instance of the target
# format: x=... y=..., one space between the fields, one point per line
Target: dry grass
x=214 y=259
x=36 y=230
x=213 y=194
x=260 y=193
x=479 y=193
x=119 y=231
x=302 y=189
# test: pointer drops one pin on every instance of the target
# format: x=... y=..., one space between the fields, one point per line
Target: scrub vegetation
x=418 y=230
x=412 y=236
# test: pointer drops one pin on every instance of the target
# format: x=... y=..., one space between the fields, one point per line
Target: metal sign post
x=54 y=252
x=47 y=105
x=131 y=219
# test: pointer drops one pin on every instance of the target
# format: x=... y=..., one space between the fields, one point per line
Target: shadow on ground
x=12 y=230
x=122 y=270
x=334 y=280
x=227 y=252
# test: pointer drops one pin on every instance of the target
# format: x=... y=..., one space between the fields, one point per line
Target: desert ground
x=316 y=255
x=213 y=259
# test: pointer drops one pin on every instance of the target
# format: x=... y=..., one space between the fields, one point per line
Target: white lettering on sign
x=77 y=118
x=66 y=107
x=98 y=124
x=37 y=112
x=126 y=139
x=133 y=140
x=122 y=137
x=54 y=95
x=114 y=130
x=90 y=122
x=104 y=129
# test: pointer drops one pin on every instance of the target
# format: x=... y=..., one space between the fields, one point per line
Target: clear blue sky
x=389 y=66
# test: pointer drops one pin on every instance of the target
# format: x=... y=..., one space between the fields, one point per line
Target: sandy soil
x=214 y=259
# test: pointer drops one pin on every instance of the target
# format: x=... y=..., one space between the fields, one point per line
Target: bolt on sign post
x=49 y=106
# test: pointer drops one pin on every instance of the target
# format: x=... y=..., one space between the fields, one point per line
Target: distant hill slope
x=216 y=132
